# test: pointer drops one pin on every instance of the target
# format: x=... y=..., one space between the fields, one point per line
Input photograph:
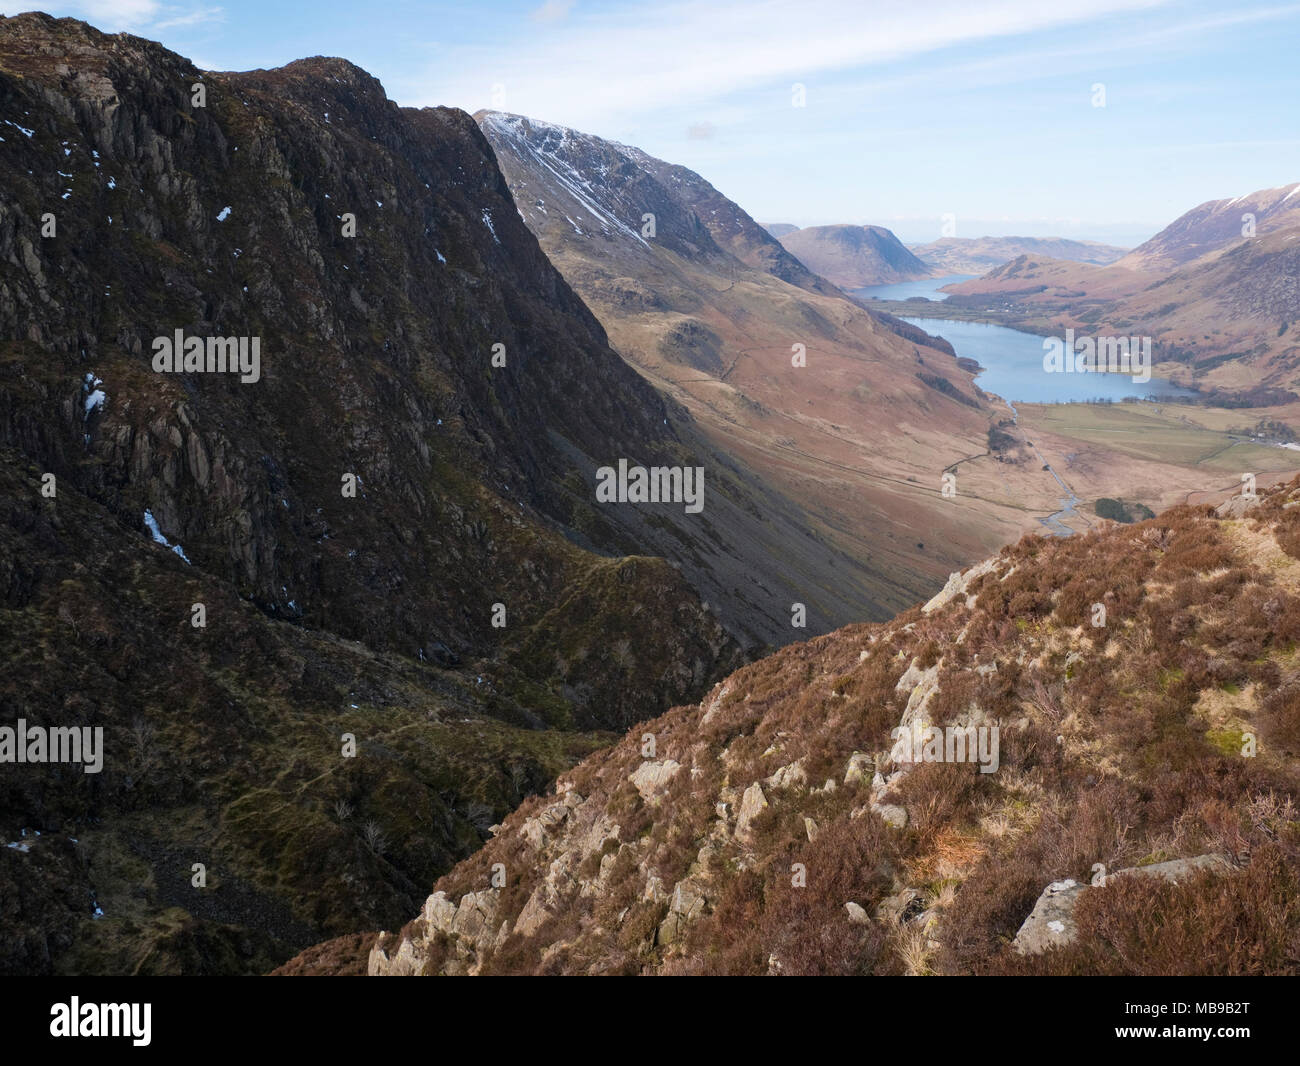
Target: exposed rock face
x=1051 y=923
x=957 y=585
x=752 y=804
x=738 y=865
x=652 y=778
x=350 y=521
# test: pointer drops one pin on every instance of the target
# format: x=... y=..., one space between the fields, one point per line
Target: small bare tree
x=373 y=835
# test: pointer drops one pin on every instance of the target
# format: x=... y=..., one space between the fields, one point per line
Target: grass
x=1166 y=433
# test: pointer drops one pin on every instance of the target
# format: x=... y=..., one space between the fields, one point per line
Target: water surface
x=903 y=290
x=1013 y=367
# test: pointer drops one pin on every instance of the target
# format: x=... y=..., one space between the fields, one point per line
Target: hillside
x=1216 y=224
x=1221 y=322
x=376 y=533
x=777 y=828
x=855 y=256
x=717 y=314
x=979 y=255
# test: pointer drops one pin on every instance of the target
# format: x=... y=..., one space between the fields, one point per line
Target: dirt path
x=1055 y=522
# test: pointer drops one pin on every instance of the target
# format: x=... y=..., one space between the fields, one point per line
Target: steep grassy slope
x=773 y=828
x=852 y=417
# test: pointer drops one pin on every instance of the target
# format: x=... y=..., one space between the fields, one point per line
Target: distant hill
x=978 y=255
x=1215 y=224
x=779 y=229
x=1219 y=306
x=855 y=256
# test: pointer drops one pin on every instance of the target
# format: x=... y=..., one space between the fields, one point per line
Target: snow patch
x=156 y=533
x=579 y=188
x=223 y=214
x=95 y=396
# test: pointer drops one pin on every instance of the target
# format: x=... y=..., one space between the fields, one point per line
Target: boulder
x=652 y=778
x=1051 y=922
x=861 y=767
x=752 y=803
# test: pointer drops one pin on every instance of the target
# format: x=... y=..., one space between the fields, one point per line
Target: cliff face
x=385 y=528
x=228 y=220
x=1125 y=698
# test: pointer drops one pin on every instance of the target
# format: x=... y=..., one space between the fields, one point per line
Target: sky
x=1094 y=119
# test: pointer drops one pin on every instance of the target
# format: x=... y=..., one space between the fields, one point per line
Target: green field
x=1159 y=433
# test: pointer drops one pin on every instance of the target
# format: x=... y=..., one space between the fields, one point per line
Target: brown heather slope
x=1127 y=744
x=708 y=310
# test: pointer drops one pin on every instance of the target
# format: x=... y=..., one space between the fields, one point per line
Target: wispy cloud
x=607 y=64
x=118 y=14
x=192 y=18
x=113 y=16
x=553 y=11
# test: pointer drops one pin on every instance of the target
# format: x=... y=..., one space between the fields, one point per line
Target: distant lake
x=1013 y=367
x=904 y=290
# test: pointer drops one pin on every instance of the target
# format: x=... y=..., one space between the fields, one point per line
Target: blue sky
x=983 y=109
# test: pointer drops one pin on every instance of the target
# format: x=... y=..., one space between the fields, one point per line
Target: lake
x=1013 y=367
x=905 y=290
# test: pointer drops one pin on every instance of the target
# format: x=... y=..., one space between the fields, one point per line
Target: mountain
x=713 y=311
x=375 y=534
x=1216 y=224
x=1218 y=306
x=855 y=256
x=779 y=229
x=978 y=255
x=779 y=826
